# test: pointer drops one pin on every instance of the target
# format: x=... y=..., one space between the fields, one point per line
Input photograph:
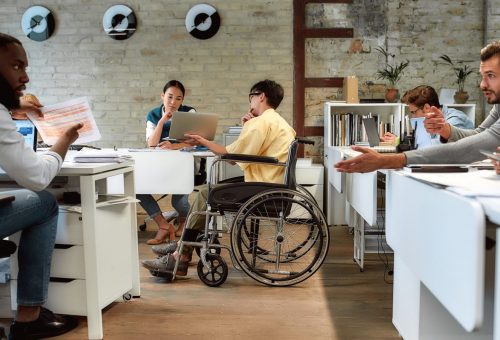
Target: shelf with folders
x=343 y=122
x=348 y=128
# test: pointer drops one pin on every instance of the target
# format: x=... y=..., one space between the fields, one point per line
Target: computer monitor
x=28 y=130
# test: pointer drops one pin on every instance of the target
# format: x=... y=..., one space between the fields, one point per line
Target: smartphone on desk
x=491 y=155
x=430 y=168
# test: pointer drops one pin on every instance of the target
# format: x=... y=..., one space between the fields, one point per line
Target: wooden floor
x=338 y=302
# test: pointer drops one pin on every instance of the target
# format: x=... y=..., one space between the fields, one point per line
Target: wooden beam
x=328 y=1
x=314 y=131
x=328 y=33
x=299 y=14
x=324 y=82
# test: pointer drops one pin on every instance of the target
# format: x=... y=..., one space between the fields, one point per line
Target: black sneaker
x=47 y=325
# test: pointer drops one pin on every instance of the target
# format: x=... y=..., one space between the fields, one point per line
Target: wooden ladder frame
x=300 y=83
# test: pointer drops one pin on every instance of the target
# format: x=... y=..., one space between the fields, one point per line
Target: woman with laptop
x=158 y=122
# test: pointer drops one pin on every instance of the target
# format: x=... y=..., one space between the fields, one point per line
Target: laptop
x=371 y=130
x=202 y=124
x=28 y=130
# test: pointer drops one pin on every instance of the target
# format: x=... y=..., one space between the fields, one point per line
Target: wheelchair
x=278 y=234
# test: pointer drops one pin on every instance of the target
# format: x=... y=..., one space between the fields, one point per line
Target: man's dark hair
x=8 y=96
x=421 y=95
x=174 y=83
x=273 y=91
x=490 y=51
x=6 y=39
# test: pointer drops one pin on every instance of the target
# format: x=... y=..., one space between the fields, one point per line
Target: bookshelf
x=351 y=199
x=343 y=125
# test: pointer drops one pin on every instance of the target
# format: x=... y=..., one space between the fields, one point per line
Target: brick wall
x=123 y=79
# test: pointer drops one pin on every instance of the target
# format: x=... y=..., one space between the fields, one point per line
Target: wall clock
x=202 y=21
x=38 y=23
x=119 y=22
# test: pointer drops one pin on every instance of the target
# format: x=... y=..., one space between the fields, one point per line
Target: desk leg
x=89 y=224
x=128 y=183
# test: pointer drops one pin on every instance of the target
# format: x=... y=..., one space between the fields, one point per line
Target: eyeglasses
x=251 y=94
x=414 y=112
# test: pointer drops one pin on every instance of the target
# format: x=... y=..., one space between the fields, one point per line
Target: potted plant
x=462 y=71
x=392 y=73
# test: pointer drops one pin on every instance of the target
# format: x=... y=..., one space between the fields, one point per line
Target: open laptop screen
x=28 y=130
x=371 y=131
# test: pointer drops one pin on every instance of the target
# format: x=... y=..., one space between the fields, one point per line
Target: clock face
x=202 y=21
x=119 y=22
x=38 y=23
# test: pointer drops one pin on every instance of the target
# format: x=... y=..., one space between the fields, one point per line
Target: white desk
x=158 y=172
x=354 y=198
x=444 y=279
x=99 y=260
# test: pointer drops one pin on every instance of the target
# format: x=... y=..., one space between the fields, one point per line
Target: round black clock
x=202 y=21
x=119 y=22
x=38 y=23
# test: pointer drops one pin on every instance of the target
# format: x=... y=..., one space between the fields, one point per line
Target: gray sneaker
x=165 y=248
x=165 y=265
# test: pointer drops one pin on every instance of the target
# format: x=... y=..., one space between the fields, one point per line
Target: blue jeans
x=35 y=213
x=179 y=202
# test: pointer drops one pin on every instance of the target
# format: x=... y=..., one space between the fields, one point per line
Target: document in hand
x=59 y=117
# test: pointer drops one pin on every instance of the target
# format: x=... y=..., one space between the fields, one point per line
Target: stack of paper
x=99 y=156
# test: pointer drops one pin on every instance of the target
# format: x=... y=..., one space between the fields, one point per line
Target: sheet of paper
x=59 y=117
x=484 y=183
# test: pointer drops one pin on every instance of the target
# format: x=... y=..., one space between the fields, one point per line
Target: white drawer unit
x=95 y=258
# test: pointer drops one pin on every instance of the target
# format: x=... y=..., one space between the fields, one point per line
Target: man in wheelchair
x=264 y=133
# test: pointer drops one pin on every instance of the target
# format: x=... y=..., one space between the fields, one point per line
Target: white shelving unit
x=469 y=109
x=352 y=198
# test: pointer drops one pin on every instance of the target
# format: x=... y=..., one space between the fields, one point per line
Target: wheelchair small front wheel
x=217 y=274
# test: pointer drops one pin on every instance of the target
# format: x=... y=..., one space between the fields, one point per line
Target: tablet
x=202 y=124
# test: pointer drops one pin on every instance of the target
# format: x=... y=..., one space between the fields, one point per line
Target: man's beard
x=8 y=96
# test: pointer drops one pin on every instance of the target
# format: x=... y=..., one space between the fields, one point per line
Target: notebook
x=373 y=138
x=28 y=130
x=202 y=124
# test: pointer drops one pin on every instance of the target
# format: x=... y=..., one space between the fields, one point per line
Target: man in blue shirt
x=421 y=98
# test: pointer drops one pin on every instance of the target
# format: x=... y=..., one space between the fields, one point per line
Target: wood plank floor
x=339 y=302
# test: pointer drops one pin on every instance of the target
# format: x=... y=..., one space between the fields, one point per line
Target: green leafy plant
x=392 y=73
x=462 y=71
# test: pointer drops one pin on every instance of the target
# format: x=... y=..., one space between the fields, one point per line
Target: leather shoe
x=47 y=325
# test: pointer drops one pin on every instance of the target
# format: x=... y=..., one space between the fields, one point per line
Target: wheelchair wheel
x=217 y=274
x=212 y=239
x=280 y=237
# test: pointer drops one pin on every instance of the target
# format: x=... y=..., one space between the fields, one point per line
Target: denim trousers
x=35 y=214
x=179 y=202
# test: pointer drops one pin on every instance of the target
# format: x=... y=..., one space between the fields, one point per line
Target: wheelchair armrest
x=234 y=157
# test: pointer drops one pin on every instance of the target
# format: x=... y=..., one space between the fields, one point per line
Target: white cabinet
x=311 y=177
x=95 y=260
